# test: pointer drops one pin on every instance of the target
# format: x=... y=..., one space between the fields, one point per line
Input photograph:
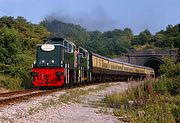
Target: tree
x=18 y=39
x=145 y=37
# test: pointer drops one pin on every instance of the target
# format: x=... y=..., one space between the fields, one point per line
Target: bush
x=170 y=85
x=169 y=68
x=17 y=43
x=12 y=83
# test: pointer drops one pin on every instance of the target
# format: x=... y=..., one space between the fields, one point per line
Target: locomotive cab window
x=50 y=58
x=70 y=48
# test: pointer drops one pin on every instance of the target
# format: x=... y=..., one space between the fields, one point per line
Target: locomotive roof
x=57 y=39
x=58 y=42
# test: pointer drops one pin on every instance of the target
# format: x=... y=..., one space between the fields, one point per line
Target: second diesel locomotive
x=61 y=62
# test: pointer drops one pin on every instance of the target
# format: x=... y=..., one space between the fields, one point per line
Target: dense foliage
x=17 y=44
x=168 y=38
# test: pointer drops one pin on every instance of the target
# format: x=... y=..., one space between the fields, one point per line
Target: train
x=60 y=62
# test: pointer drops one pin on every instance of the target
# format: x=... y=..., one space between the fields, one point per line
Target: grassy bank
x=153 y=102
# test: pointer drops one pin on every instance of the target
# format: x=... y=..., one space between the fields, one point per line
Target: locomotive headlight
x=52 y=61
x=43 y=61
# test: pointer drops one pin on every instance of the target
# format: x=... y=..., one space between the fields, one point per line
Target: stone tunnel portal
x=154 y=63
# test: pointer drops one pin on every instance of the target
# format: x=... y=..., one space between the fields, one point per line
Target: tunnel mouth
x=155 y=64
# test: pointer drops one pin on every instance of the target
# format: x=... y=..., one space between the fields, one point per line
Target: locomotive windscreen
x=49 y=56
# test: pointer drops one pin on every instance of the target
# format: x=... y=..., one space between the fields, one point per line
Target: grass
x=44 y=105
x=48 y=103
x=152 y=102
x=72 y=96
x=100 y=87
x=104 y=110
x=75 y=95
x=33 y=110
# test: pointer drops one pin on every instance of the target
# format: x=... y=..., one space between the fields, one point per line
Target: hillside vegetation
x=18 y=38
x=17 y=50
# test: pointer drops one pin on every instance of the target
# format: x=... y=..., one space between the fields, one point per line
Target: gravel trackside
x=45 y=109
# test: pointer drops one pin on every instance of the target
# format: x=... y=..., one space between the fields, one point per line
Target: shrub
x=170 y=85
x=10 y=83
x=169 y=68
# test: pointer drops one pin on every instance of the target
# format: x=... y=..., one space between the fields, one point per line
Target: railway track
x=16 y=92
x=11 y=98
x=18 y=96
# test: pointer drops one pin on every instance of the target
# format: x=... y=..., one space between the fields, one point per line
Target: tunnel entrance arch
x=154 y=63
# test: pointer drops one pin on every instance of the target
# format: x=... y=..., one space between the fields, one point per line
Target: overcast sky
x=101 y=15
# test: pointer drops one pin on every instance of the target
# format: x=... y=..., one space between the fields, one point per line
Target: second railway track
x=18 y=96
x=7 y=94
